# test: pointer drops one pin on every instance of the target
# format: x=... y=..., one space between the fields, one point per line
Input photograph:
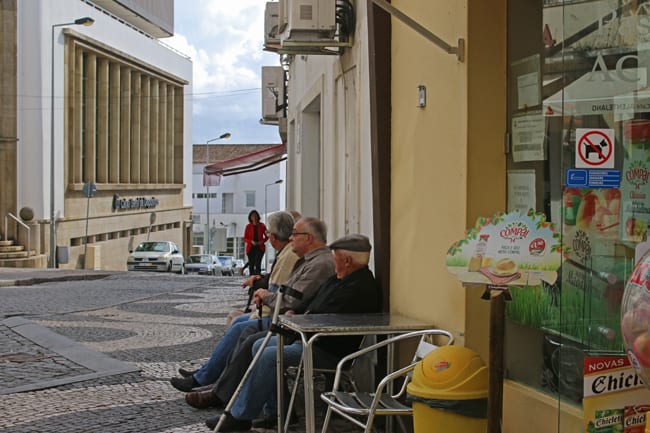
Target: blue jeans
x=259 y=390
x=212 y=369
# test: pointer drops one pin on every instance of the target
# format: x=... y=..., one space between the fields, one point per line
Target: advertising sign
x=635 y=212
x=507 y=249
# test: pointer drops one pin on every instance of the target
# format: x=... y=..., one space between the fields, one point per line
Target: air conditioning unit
x=272 y=93
x=308 y=20
x=271 y=26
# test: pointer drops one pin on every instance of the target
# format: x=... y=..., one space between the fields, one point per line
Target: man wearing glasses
x=315 y=265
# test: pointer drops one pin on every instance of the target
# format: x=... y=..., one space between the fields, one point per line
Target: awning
x=253 y=161
x=602 y=93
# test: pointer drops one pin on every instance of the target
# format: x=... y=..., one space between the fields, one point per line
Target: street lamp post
x=85 y=21
x=266 y=189
x=223 y=136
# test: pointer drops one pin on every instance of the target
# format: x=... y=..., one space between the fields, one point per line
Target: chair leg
x=293 y=395
x=326 y=421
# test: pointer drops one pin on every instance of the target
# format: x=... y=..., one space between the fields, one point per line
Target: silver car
x=205 y=264
x=162 y=256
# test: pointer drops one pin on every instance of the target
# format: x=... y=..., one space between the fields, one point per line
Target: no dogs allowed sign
x=594 y=148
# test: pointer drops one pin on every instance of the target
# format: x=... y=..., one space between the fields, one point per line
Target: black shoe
x=229 y=424
x=184 y=384
x=271 y=423
x=186 y=373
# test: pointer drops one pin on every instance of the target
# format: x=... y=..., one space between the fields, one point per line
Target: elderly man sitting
x=352 y=289
x=308 y=240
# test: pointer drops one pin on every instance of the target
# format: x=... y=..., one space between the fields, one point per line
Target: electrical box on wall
x=309 y=20
x=272 y=93
x=271 y=26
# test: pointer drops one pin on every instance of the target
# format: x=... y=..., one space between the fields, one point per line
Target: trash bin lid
x=450 y=373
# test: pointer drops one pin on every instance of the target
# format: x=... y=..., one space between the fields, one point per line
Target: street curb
x=52 y=278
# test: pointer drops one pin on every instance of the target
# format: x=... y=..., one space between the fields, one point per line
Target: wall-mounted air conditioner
x=271 y=26
x=272 y=93
x=308 y=20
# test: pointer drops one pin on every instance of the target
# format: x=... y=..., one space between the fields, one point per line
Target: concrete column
x=136 y=91
x=171 y=118
x=125 y=125
x=153 y=131
x=90 y=119
x=178 y=135
x=114 y=115
x=75 y=160
x=102 y=160
x=145 y=120
x=162 y=133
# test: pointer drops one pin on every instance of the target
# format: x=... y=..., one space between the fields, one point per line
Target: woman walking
x=255 y=238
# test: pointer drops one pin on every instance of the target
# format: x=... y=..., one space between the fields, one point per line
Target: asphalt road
x=82 y=355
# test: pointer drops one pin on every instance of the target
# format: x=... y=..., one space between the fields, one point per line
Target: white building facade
x=229 y=203
x=121 y=126
x=328 y=132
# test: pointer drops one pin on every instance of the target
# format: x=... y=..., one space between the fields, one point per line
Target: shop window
x=579 y=138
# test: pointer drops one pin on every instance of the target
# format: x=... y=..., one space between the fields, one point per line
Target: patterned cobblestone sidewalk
x=108 y=368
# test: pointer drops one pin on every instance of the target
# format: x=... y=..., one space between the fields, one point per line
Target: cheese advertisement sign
x=507 y=249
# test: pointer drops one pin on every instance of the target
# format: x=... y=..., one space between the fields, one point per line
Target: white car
x=156 y=256
x=206 y=264
x=227 y=265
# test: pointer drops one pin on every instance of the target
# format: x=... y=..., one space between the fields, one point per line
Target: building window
x=227 y=202
x=125 y=122
x=250 y=198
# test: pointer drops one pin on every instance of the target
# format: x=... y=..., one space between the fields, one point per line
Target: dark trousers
x=238 y=363
x=255 y=260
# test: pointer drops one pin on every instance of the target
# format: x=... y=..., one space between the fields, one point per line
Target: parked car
x=227 y=265
x=240 y=267
x=162 y=256
x=206 y=264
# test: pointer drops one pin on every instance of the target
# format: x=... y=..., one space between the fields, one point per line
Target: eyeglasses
x=295 y=233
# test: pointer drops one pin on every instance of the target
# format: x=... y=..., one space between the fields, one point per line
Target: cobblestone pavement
x=96 y=354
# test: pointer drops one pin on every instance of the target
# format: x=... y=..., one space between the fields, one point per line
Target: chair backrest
x=424 y=348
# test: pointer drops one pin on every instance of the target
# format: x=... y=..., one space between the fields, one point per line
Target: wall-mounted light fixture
x=422 y=96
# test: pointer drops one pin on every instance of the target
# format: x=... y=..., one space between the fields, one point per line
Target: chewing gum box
x=615 y=398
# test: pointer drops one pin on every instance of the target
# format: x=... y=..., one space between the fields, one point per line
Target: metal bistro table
x=311 y=327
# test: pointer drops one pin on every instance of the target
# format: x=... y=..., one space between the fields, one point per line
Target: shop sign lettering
x=600 y=67
x=134 y=203
x=615 y=382
x=515 y=231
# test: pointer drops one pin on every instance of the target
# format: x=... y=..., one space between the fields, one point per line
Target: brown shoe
x=202 y=399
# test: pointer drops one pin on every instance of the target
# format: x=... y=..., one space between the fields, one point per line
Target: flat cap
x=351 y=243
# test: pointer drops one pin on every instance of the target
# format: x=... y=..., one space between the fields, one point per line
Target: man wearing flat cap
x=352 y=290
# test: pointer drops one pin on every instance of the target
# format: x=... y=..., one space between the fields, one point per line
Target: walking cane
x=272 y=330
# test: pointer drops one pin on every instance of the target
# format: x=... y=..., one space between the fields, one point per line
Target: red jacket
x=261 y=236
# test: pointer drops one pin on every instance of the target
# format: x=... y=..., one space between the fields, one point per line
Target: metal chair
x=360 y=408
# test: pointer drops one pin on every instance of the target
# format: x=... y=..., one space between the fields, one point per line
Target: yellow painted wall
x=448 y=165
x=429 y=169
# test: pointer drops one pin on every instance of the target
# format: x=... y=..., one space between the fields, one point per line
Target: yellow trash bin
x=449 y=392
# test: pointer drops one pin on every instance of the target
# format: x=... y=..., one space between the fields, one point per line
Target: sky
x=224 y=39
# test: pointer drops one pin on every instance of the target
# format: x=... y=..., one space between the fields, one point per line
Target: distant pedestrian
x=255 y=237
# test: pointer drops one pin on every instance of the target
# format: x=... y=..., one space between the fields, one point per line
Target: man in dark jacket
x=352 y=290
